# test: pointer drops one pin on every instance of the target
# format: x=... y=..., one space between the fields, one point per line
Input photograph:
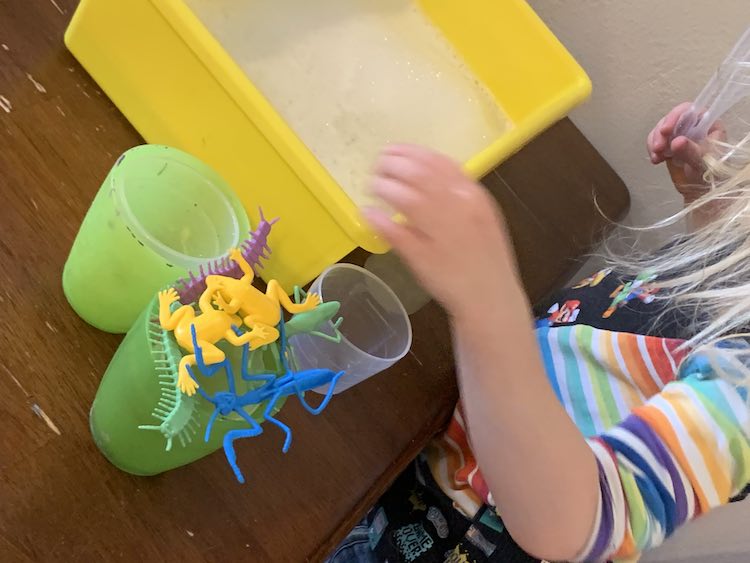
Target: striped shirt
x=671 y=439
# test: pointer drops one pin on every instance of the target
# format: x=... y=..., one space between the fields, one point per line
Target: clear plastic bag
x=728 y=88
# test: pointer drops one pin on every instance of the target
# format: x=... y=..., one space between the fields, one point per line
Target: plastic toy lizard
x=211 y=326
x=260 y=312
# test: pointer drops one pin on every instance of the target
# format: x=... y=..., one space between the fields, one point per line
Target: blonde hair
x=706 y=272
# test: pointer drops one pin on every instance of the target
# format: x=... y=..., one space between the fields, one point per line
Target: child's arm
x=684 y=161
x=541 y=472
x=683 y=453
x=560 y=496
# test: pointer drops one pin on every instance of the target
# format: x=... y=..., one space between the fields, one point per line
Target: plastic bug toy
x=274 y=387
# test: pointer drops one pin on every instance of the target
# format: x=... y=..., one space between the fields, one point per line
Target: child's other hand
x=453 y=237
x=685 y=160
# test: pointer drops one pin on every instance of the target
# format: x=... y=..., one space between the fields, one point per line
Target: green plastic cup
x=159 y=214
x=137 y=398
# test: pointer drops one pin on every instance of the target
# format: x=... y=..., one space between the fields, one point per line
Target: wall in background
x=643 y=57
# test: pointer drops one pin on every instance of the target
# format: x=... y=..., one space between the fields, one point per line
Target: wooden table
x=59 y=498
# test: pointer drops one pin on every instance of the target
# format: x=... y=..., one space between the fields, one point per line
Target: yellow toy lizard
x=211 y=326
x=261 y=312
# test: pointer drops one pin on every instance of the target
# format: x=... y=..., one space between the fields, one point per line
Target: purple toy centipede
x=253 y=249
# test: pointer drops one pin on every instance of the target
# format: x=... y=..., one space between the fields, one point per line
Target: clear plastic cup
x=375 y=332
x=159 y=214
x=389 y=268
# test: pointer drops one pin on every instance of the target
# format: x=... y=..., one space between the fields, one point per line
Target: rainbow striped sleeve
x=683 y=452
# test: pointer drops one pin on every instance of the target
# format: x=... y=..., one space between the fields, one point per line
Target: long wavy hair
x=706 y=272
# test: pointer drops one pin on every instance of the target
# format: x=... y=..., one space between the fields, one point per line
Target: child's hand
x=685 y=163
x=453 y=238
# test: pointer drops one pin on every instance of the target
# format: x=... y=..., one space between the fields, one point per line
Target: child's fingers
x=686 y=151
x=666 y=128
x=418 y=153
x=717 y=132
x=405 y=149
x=431 y=163
x=401 y=197
x=657 y=137
x=655 y=156
x=403 y=168
x=406 y=240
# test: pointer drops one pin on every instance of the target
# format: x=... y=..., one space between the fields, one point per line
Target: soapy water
x=351 y=76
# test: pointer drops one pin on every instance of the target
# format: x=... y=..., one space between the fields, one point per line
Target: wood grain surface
x=60 y=500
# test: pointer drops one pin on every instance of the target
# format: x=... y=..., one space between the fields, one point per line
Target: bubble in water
x=373 y=77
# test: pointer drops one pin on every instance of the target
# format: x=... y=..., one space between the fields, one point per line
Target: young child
x=592 y=433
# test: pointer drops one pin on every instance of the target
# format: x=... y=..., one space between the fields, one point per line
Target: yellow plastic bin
x=179 y=87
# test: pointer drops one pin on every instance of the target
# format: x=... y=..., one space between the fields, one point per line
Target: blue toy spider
x=274 y=387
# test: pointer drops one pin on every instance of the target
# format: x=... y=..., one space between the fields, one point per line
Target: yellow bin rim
x=306 y=166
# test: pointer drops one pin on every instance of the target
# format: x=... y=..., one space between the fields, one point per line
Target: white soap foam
x=350 y=76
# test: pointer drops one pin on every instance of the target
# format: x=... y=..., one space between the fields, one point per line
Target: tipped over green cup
x=159 y=214
x=142 y=423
